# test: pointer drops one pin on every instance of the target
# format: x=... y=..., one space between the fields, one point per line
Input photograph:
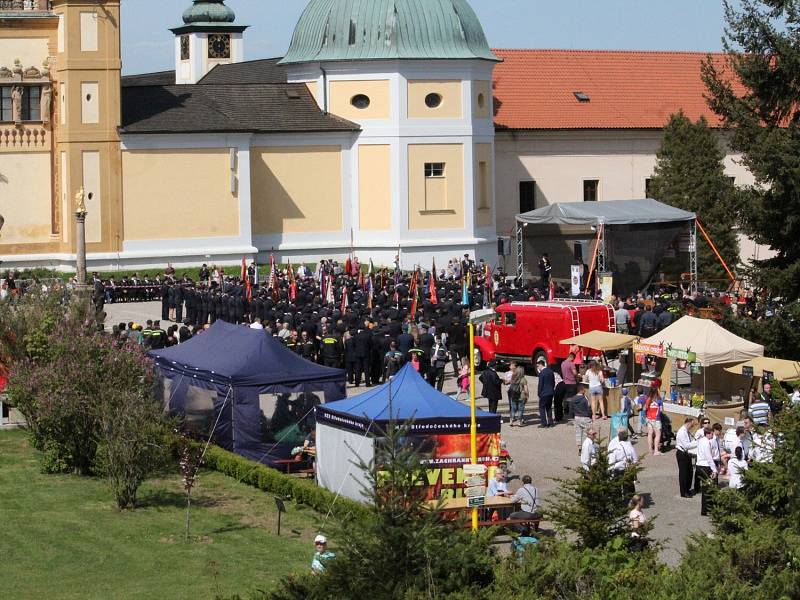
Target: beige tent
x=602 y=340
x=783 y=370
x=712 y=343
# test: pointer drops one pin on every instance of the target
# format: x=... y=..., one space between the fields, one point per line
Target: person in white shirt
x=589 y=450
x=736 y=468
x=795 y=397
x=256 y=324
x=498 y=485
x=704 y=422
x=621 y=455
x=684 y=444
x=706 y=467
x=763 y=447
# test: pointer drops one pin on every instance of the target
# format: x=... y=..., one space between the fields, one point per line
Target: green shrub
x=302 y=491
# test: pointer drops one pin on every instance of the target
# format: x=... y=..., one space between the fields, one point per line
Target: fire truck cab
x=527 y=331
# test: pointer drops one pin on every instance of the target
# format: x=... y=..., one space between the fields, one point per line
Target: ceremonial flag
x=361 y=281
x=292 y=284
x=345 y=300
x=271 y=281
x=487 y=288
x=432 y=285
x=370 y=290
x=348 y=267
x=413 y=293
x=329 y=294
x=248 y=290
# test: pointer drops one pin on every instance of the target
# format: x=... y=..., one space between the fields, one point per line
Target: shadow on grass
x=167 y=499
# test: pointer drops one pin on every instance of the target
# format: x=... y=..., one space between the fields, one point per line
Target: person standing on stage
x=684 y=444
x=545 y=271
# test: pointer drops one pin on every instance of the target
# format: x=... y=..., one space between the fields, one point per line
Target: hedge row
x=302 y=491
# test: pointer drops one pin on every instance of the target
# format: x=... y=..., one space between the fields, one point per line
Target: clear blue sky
x=592 y=24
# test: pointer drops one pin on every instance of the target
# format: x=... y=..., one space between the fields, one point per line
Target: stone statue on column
x=80 y=202
x=16 y=104
x=46 y=103
x=80 y=236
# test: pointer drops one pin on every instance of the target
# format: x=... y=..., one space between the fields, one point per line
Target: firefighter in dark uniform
x=307 y=347
x=330 y=348
x=363 y=351
x=165 y=301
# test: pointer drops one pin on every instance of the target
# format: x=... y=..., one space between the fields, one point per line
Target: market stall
x=619 y=371
x=769 y=369
x=692 y=357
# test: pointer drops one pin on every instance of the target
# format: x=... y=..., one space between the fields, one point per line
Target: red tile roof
x=534 y=89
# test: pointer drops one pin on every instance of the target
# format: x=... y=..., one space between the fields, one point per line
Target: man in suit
x=547 y=389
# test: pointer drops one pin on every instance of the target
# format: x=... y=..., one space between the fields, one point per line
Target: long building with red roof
x=585 y=125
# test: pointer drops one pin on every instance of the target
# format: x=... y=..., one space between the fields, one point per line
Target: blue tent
x=407 y=397
x=222 y=375
x=351 y=431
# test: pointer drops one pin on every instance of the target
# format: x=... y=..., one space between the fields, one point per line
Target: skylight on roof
x=582 y=96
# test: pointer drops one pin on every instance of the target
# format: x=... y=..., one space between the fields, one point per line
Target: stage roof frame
x=607 y=212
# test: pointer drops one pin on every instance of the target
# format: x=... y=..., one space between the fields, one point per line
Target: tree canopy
x=690 y=174
x=756 y=93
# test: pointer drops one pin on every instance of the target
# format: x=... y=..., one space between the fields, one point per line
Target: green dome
x=330 y=30
x=208 y=11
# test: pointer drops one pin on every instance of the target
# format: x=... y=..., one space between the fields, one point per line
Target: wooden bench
x=532 y=523
x=287 y=464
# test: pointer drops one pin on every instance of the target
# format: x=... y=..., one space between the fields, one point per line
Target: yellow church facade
x=363 y=138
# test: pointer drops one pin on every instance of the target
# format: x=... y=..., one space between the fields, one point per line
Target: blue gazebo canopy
x=406 y=398
x=240 y=356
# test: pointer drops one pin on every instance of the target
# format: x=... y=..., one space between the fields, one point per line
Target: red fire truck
x=527 y=331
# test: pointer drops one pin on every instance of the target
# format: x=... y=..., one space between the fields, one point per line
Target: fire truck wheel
x=477 y=358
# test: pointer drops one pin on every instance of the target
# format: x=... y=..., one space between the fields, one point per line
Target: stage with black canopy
x=631 y=238
x=256 y=395
x=352 y=430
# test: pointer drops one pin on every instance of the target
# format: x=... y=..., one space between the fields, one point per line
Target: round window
x=433 y=100
x=360 y=101
x=481 y=101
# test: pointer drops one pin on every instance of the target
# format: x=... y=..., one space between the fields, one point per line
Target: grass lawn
x=62 y=536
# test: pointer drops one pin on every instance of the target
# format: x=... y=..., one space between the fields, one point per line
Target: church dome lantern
x=359 y=30
x=208 y=11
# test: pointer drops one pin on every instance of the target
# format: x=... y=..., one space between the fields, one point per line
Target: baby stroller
x=667 y=435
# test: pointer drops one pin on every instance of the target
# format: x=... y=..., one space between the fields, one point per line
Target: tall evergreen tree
x=592 y=505
x=756 y=92
x=402 y=549
x=690 y=174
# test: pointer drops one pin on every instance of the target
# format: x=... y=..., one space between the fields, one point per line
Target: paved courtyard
x=546 y=453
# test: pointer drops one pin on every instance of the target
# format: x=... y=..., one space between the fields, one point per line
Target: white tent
x=713 y=344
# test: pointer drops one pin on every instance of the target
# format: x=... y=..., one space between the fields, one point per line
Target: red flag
x=248 y=290
x=415 y=283
x=432 y=285
x=348 y=267
x=292 y=284
x=345 y=300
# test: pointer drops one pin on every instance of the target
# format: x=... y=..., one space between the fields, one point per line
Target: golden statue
x=80 y=202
